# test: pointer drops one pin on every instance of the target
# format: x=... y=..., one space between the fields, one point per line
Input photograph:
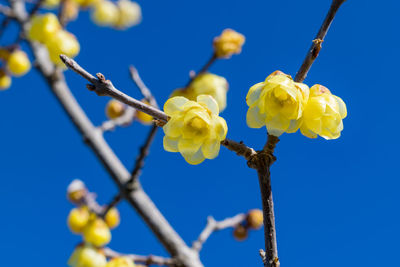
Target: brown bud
x=255 y=219
x=240 y=233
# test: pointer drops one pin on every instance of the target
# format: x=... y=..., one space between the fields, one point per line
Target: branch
x=113 y=203
x=240 y=148
x=208 y=64
x=6 y=11
x=316 y=45
x=214 y=226
x=142 y=87
x=126 y=119
x=148 y=260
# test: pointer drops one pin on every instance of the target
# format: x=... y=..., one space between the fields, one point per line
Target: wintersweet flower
x=97 y=233
x=43 y=27
x=277 y=103
x=18 y=63
x=120 y=262
x=87 y=256
x=228 y=43
x=78 y=218
x=206 y=84
x=105 y=13
x=114 y=109
x=130 y=14
x=62 y=42
x=5 y=81
x=323 y=114
x=194 y=128
x=112 y=218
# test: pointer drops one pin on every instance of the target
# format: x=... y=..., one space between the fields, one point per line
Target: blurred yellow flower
x=323 y=114
x=87 y=256
x=97 y=233
x=120 y=262
x=112 y=218
x=277 y=103
x=62 y=42
x=105 y=13
x=5 y=81
x=78 y=218
x=206 y=84
x=194 y=129
x=130 y=14
x=18 y=63
x=114 y=109
x=228 y=43
x=43 y=27
x=143 y=117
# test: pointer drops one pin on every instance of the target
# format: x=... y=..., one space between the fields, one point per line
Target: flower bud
x=97 y=233
x=130 y=14
x=87 y=256
x=5 y=81
x=105 y=13
x=76 y=191
x=228 y=43
x=114 y=109
x=78 y=218
x=240 y=232
x=50 y=4
x=121 y=262
x=255 y=219
x=43 y=27
x=71 y=10
x=18 y=63
x=112 y=218
x=62 y=42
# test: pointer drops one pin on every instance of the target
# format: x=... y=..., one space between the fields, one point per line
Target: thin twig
x=239 y=148
x=142 y=86
x=112 y=204
x=125 y=119
x=316 y=45
x=6 y=11
x=214 y=226
x=147 y=260
x=208 y=64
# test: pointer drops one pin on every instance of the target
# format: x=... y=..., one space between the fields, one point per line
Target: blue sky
x=336 y=202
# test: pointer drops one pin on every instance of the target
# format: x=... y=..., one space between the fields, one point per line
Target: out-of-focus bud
x=78 y=218
x=87 y=3
x=4 y=53
x=62 y=42
x=105 y=13
x=114 y=109
x=228 y=43
x=130 y=14
x=97 y=233
x=18 y=63
x=240 y=232
x=5 y=80
x=112 y=218
x=43 y=27
x=143 y=117
x=255 y=219
x=121 y=262
x=50 y=4
x=87 y=256
x=71 y=10
x=76 y=191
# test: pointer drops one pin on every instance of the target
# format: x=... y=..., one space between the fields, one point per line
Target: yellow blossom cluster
x=115 y=109
x=206 y=84
x=16 y=63
x=283 y=105
x=228 y=43
x=46 y=29
x=194 y=128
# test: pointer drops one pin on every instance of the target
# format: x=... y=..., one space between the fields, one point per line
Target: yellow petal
x=209 y=102
x=220 y=127
x=174 y=104
x=210 y=148
x=293 y=126
x=254 y=93
x=195 y=158
x=307 y=132
x=342 y=107
x=277 y=125
x=174 y=126
x=170 y=144
x=188 y=146
x=254 y=118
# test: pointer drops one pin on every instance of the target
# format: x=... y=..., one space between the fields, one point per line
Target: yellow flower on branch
x=97 y=233
x=18 y=63
x=43 y=27
x=78 y=218
x=323 y=114
x=206 y=84
x=228 y=43
x=194 y=129
x=277 y=103
x=120 y=262
x=87 y=256
x=130 y=14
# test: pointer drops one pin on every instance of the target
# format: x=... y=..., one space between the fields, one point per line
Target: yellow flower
x=18 y=63
x=194 y=129
x=5 y=81
x=112 y=218
x=228 y=43
x=43 y=27
x=323 y=114
x=97 y=233
x=143 y=117
x=62 y=42
x=78 y=218
x=120 y=262
x=87 y=256
x=105 y=13
x=277 y=103
x=255 y=219
x=114 y=109
x=130 y=14
x=206 y=84
x=71 y=10
x=50 y=4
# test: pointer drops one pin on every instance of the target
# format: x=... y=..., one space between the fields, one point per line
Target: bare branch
x=208 y=64
x=113 y=203
x=147 y=260
x=6 y=11
x=104 y=87
x=142 y=87
x=240 y=148
x=127 y=118
x=214 y=226
x=316 y=45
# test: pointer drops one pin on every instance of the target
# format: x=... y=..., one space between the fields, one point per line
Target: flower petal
x=294 y=126
x=209 y=102
x=220 y=127
x=277 y=125
x=174 y=104
x=170 y=144
x=195 y=158
x=254 y=118
x=210 y=148
x=188 y=146
x=307 y=132
x=342 y=107
x=254 y=93
x=174 y=126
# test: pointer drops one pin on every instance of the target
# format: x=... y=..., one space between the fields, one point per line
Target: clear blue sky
x=337 y=202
